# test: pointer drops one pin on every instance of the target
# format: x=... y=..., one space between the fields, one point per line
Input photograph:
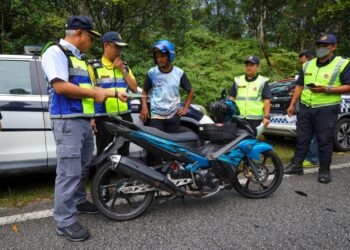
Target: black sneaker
x=74 y=232
x=87 y=208
x=294 y=169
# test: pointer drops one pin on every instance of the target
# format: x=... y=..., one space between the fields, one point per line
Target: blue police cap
x=252 y=59
x=113 y=37
x=81 y=23
x=327 y=38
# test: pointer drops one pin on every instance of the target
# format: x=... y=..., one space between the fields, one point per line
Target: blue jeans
x=312 y=155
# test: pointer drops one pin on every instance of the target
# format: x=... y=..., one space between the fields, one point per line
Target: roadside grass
x=283 y=147
x=20 y=191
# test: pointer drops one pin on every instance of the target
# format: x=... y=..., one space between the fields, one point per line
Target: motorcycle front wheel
x=270 y=169
x=117 y=196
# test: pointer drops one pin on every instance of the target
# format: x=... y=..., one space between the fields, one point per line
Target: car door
x=49 y=138
x=22 y=138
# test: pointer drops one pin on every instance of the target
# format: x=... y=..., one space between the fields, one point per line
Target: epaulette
x=95 y=63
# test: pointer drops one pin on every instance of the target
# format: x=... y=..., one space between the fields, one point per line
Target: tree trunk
x=218 y=16
x=260 y=31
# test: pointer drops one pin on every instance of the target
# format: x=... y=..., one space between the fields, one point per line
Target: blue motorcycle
x=195 y=163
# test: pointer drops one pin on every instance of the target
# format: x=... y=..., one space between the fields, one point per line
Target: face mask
x=322 y=52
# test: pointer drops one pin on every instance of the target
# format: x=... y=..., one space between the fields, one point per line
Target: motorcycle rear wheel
x=111 y=202
x=271 y=171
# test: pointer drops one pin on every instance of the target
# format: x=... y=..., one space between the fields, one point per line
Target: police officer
x=112 y=73
x=311 y=159
x=252 y=94
x=306 y=55
x=71 y=108
x=320 y=86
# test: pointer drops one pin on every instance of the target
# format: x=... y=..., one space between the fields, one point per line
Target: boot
x=294 y=168
x=324 y=175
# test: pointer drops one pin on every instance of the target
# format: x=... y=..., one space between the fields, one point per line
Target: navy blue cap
x=81 y=23
x=252 y=59
x=113 y=37
x=327 y=38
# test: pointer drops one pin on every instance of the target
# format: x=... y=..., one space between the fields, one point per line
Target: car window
x=15 y=77
x=282 y=89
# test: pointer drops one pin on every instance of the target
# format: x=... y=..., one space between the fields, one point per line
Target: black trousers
x=167 y=125
x=103 y=137
x=322 y=122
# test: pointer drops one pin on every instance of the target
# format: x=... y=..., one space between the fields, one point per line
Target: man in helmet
x=165 y=81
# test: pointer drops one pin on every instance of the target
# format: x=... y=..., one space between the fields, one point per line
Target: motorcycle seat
x=175 y=137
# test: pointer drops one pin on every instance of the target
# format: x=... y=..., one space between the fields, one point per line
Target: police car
x=282 y=125
x=26 y=140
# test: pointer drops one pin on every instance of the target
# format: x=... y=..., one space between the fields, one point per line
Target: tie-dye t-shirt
x=165 y=95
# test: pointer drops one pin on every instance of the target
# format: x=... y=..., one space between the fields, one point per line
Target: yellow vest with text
x=111 y=79
x=327 y=76
x=248 y=99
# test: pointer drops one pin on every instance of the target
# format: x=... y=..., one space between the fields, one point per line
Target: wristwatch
x=329 y=90
x=268 y=117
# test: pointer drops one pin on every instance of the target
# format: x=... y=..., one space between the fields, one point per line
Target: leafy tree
x=220 y=16
x=28 y=22
x=333 y=17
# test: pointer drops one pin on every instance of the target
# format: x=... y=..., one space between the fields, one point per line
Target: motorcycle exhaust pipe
x=138 y=170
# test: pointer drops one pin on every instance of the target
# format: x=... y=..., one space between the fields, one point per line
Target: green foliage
x=207 y=34
x=211 y=62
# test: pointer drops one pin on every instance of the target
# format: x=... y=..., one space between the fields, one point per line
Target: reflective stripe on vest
x=64 y=107
x=111 y=79
x=327 y=76
x=248 y=97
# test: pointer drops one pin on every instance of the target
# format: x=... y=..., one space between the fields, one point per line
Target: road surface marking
x=24 y=217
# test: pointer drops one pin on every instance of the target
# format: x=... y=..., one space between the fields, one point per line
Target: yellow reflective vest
x=248 y=99
x=327 y=76
x=108 y=77
x=65 y=107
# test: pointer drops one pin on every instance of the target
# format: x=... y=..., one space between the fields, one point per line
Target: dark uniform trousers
x=322 y=122
x=103 y=137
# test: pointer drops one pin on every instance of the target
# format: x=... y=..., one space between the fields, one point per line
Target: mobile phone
x=311 y=85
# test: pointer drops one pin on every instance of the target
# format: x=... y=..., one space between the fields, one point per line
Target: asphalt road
x=285 y=220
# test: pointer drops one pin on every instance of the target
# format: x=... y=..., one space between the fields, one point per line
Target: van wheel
x=342 y=135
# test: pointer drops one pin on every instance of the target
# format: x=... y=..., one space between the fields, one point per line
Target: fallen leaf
x=331 y=210
x=301 y=193
x=15 y=229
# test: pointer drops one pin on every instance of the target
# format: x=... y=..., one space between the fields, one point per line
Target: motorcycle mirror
x=223 y=94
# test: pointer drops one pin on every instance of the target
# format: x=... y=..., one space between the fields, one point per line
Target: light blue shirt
x=55 y=63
